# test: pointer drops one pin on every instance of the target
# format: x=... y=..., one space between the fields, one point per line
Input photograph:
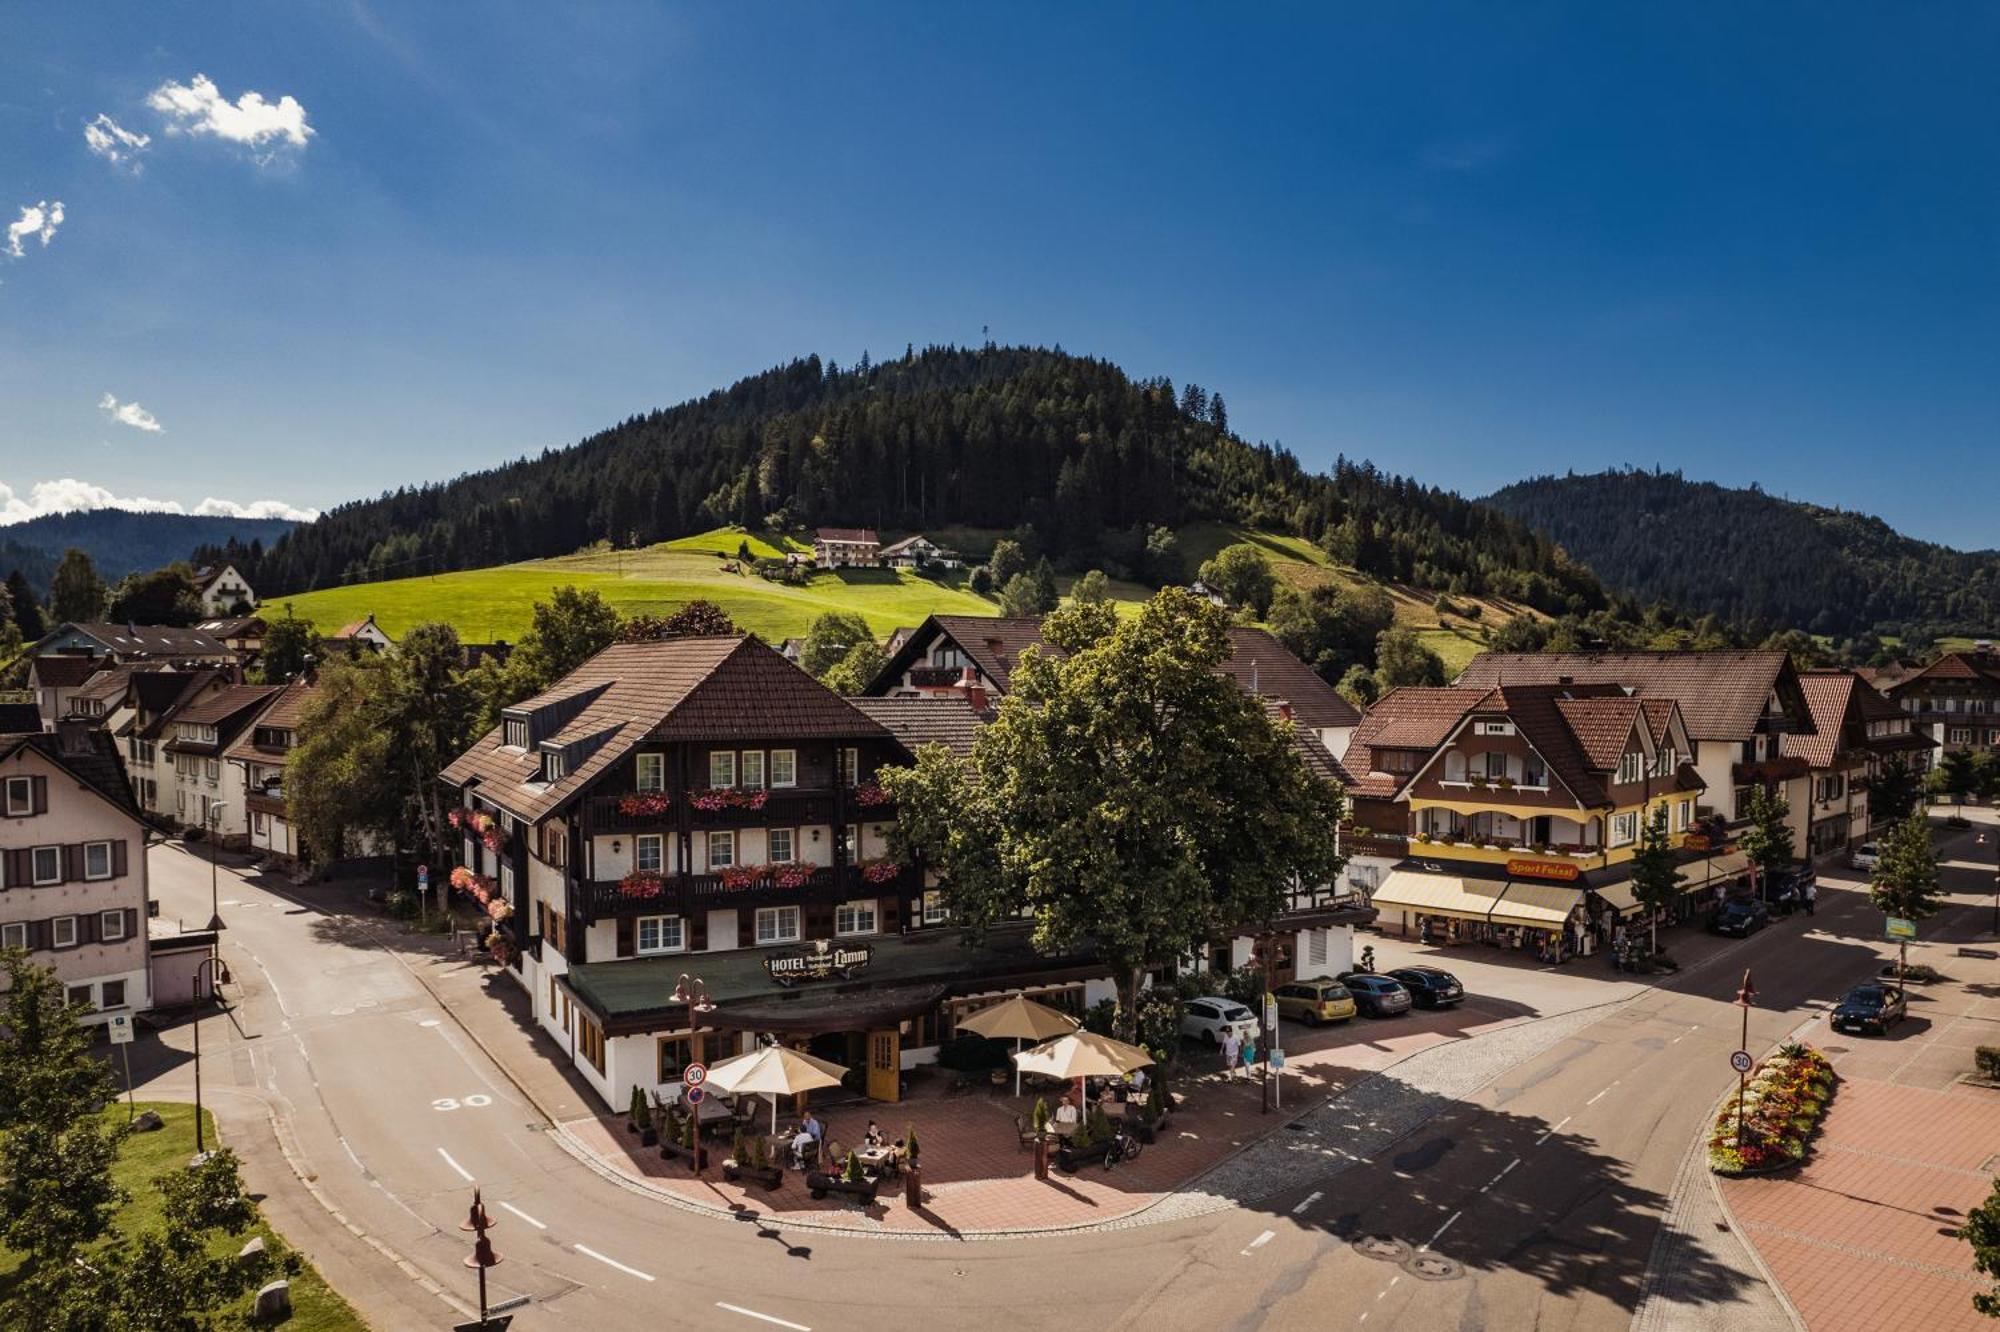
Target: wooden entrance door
x=885 y=1065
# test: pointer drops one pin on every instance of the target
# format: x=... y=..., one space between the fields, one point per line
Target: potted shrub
x=632 y=1110
x=642 y=1115
x=1090 y=1142
x=1038 y=1118
x=849 y=1181
x=1159 y=1109
x=750 y=1162
x=913 y=1170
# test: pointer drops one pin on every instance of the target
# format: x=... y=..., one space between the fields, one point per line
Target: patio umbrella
x=774 y=1071
x=1024 y=1020
x=1083 y=1054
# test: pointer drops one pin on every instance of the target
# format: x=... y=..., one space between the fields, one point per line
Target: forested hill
x=120 y=541
x=1068 y=446
x=1757 y=560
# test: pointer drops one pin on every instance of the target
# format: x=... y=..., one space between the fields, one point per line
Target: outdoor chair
x=1025 y=1136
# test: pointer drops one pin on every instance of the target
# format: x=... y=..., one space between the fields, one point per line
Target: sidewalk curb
x=1750 y=1249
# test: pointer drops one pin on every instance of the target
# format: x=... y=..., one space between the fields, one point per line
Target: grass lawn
x=488 y=604
x=145 y=1157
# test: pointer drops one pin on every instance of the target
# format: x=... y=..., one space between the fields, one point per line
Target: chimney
x=1284 y=710
x=975 y=693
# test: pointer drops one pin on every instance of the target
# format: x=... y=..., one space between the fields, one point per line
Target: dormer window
x=1631 y=766
x=554 y=765
x=516 y=736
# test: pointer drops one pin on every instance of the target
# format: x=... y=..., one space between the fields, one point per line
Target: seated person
x=873 y=1137
x=1066 y=1118
x=805 y=1147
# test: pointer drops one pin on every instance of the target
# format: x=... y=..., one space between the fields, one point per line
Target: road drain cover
x=1382 y=1248
x=1433 y=1267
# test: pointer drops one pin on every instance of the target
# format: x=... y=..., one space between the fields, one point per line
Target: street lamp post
x=214 y=855
x=218 y=974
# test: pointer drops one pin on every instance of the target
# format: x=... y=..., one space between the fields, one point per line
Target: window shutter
x=746 y=927
x=86 y=928
x=41 y=935
x=132 y=924
x=41 y=796
x=890 y=909
x=72 y=862
x=118 y=863
x=625 y=944
x=697 y=928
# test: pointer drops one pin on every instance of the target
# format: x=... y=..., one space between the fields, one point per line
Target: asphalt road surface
x=1533 y=1204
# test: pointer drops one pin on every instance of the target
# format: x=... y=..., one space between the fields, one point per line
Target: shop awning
x=1716 y=869
x=1535 y=906
x=1436 y=894
x=1619 y=897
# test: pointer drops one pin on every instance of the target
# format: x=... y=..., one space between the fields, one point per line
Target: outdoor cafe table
x=879 y=1159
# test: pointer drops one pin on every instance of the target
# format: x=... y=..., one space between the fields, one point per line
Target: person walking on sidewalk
x=1811 y=895
x=1232 y=1046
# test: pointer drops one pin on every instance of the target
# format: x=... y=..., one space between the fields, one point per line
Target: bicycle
x=1124 y=1147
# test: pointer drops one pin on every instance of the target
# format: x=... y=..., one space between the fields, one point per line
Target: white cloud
x=129 y=413
x=72 y=496
x=40 y=219
x=221 y=508
x=114 y=143
x=200 y=108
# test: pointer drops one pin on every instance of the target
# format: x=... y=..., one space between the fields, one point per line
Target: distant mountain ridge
x=1756 y=560
x=120 y=541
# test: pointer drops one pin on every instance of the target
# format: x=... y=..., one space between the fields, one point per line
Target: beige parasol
x=1083 y=1054
x=1022 y=1019
x=774 y=1071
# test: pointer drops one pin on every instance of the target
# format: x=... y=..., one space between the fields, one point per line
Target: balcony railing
x=781 y=806
x=935 y=677
x=685 y=894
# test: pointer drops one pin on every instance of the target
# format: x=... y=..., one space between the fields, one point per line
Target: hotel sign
x=1542 y=869
x=817 y=961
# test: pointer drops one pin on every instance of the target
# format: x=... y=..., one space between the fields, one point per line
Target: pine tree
x=1768 y=840
x=76 y=594
x=1905 y=882
x=1656 y=881
x=27 y=611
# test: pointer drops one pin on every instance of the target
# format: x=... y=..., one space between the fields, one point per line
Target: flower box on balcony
x=738 y=877
x=721 y=798
x=642 y=884
x=644 y=804
x=880 y=871
x=868 y=795
x=795 y=874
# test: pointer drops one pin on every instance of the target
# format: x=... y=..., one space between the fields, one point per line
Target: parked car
x=1430 y=987
x=1212 y=1017
x=1315 y=1001
x=1740 y=917
x=1786 y=890
x=1866 y=856
x=1377 y=996
x=1870 y=1008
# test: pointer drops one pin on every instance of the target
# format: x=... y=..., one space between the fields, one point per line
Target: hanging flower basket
x=642 y=884
x=868 y=795
x=880 y=871
x=461 y=878
x=792 y=874
x=496 y=943
x=456 y=818
x=644 y=804
x=498 y=910
x=494 y=839
x=738 y=877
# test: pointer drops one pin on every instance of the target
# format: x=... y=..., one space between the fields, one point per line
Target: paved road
x=1539 y=1195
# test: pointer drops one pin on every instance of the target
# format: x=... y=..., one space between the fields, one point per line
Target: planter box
x=1073 y=1159
x=673 y=1151
x=819 y=1185
x=649 y=1137
x=768 y=1177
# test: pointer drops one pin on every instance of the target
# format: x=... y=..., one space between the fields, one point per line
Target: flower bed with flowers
x=1782 y=1105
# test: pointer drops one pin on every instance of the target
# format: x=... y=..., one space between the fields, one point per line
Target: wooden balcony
x=686 y=894
x=935 y=677
x=781 y=807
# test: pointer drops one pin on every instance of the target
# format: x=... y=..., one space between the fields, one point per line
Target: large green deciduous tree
x=1127 y=795
x=1242 y=575
x=853 y=673
x=1957 y=775
x=1982 y=1231
x=1894 y=790
x=76 y=593
x=339 y=780
x=56 y=1191
x=1905 y=881
x=1402 y=659
x=832 y=636
x=291 y=647
x=158 y=596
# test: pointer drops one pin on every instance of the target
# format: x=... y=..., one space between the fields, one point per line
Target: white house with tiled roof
x=847 y=547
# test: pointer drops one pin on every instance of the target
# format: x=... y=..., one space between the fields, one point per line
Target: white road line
x=1502 y=1175
x=1259 y=1242
x=462 y=1173
x=524 y=1216
x=1547 y=1134
x=1601 y=1095
x=629 y=1271
x=1308 y=1201
x=752 y=1313
x=1441 y=1229
x=352 y=1157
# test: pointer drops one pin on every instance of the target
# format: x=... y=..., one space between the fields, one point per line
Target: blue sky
x=1469 y=243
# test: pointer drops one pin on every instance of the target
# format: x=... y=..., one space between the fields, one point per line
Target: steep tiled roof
x=1827 y=694
x=158 y=691
x=108 y=684
x=993 y=643
x=1407 y=718
x=152 y=640
x=1659 y=717
x=1601 y=726
x=1974 y=667
x=861 y=534
x=223 y=705
x=86 y=752
x=282 y=713
x=948 y=720
x=1277 y=674
x=674 y=689
x=1721 y=694
x=898 y=547
x=61 y=670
